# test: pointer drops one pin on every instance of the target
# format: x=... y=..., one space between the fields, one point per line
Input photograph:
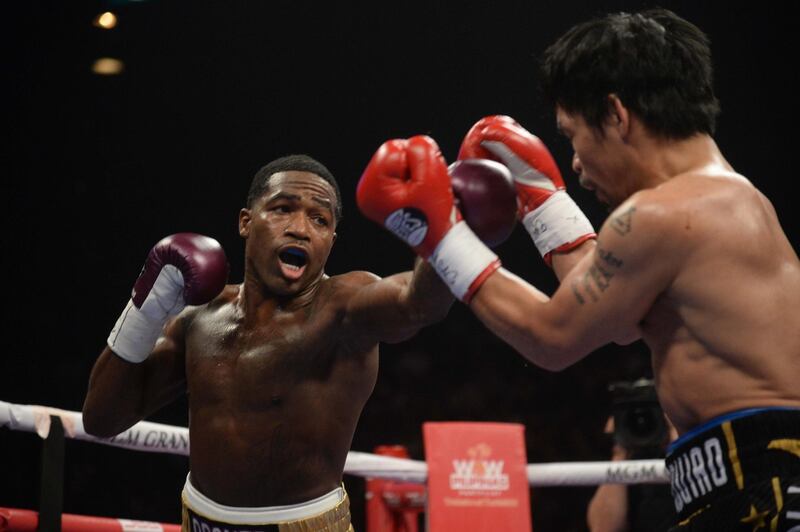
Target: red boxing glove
x=535 y=173
x=181 y=269
x=550 y=216
x=406 y=188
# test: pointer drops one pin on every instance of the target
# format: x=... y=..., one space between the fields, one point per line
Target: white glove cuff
x=137 y=330
x=556 y=222
x=134 y=335
x=460 y=258
x=166 y=295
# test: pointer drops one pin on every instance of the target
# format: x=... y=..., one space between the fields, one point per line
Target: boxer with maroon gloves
x=406 y=188
x=556 y=224
x=277 y=368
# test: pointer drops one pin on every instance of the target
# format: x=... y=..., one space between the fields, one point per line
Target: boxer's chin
x=607 y=202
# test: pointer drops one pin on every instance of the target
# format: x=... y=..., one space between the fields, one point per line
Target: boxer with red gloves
x=692 y=259
x=556 y=224
x=277 y=368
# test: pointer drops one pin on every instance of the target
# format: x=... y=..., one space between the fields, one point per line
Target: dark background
x=97 y=169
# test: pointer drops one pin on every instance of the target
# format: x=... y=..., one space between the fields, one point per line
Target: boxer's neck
x=662 y=159
x=256 y=301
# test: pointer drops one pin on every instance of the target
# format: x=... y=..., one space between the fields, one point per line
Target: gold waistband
x=337 y=519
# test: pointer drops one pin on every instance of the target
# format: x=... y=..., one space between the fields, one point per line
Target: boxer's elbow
x=551 y=349
x=435 y=313
x=102 y=422
x=554 y=364
x=415 y=321
x=430 y=310
x=95 y=425
x=549 y=360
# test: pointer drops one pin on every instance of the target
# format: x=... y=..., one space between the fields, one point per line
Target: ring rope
x=19 y=520
x=159 y=438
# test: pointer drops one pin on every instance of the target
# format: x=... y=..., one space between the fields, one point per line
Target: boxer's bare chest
x=258 y=363
x=261 y=396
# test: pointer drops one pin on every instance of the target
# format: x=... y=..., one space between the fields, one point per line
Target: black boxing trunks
x=328 y=513
x=739 y=471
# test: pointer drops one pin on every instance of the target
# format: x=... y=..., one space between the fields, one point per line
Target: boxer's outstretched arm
x=602 y=300
x=122 y=393
x=395 y=308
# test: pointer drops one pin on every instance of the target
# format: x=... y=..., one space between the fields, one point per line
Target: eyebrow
x=284 y=196
x=325 y=202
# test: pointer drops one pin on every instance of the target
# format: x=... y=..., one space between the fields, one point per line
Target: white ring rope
x=160 y=438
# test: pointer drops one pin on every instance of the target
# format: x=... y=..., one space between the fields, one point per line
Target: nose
x=576 y=164
x=577 y=167
x=297 y=226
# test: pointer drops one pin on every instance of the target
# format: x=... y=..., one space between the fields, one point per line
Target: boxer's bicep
x=375 y=310
x=122 y=393
x=395 y=308
x=165 y=368
x=606 y=297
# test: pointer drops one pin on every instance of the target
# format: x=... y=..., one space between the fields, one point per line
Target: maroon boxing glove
x=485 y=195
x=181 y=269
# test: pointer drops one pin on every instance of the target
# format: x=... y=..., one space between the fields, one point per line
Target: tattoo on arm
x=587 y=284
x=577 y=292
x=607 y=256
x=622 y=223
x=598 y=277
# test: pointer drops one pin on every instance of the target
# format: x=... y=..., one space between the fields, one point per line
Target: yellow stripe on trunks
x=733 y=454
x=776 y=490
x=786 y=444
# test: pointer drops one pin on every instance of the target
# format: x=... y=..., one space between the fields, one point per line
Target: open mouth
x=293 y=262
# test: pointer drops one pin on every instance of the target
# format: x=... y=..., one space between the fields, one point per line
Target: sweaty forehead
x=299 y=181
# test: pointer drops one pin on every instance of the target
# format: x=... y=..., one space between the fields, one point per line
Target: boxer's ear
x=244 y=222
x=618 y=116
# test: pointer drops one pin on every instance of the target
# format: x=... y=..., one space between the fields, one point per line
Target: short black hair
x=288 y=163
x=658 y=64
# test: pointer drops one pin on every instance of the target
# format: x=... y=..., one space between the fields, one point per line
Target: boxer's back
x=725 y=334
x=274 y=403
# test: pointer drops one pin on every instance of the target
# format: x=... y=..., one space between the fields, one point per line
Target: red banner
x=476 y=477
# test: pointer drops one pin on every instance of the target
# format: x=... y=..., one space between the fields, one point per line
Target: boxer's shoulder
x=706 y=187
x=686 y=205
x=228 y=295
x=349 y=283
x=647 y=215
x=716 y=204
x=336 y=291
x=221 y=307
x=653 y=230
x=225 y=298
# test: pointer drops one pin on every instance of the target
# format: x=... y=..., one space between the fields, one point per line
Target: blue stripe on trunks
x=713 y=422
